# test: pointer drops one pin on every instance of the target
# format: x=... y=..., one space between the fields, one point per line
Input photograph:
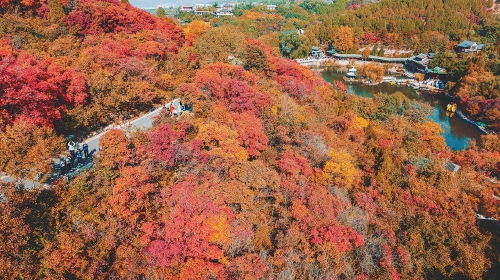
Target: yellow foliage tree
x=360 y=122
x=196 y=28
x=221 y=141
x=419 y=76
x=221 y=230
x=250 y=15
x=56 y=11
x=366 y=53
x=340 y=169
x=27 y=150
x=343 y=38
x=218 y=44
x=372 y=71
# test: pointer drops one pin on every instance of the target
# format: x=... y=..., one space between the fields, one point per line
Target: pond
x=457 y=132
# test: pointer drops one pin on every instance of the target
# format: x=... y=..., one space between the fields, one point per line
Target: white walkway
x=142 y=122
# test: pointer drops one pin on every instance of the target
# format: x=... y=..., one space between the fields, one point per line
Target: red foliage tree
x=187 y=236
x=22 y=5
x=250 y=133
x=298 y=81
x=233 y=86
x=344 y=238
x=131 y=192
x=97 y=17
x=293 y=164
x=170 y=147
x=37 y=91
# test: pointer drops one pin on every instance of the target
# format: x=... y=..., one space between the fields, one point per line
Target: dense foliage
x=104 y=61
x=274 y=174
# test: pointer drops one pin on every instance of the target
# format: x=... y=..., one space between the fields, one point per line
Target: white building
x=223 y=13
x=187 y=8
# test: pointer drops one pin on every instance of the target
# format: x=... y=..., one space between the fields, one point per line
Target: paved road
x=142 y=122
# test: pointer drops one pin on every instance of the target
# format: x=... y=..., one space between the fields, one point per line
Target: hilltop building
x=436 y=72
x=223 y=13
x=202 y=13
x=197 y=9
x=469 y=47
x=187 y=8
x=317 y=52
x=419 y=63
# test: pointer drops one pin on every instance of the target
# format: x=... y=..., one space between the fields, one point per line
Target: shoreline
x=463 y=117
x=460 y=114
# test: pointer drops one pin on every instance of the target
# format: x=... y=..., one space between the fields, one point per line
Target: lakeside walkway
x=463 y=117
x=343 y=59
x=371 y=58
x=311 y=61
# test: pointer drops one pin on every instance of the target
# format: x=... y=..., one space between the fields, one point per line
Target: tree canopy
x=275 y=173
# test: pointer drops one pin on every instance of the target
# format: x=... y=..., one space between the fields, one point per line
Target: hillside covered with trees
x=418 y=26
x=275 y=174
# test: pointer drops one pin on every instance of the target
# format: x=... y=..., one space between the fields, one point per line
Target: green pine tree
x=380 y=52
x=160 y=12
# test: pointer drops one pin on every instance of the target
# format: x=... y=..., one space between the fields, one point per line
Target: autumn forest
x=272 y=173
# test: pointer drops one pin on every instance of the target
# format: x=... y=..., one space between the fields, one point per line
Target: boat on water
x=393 y=81
x=451 y=108
x=429 y=86
x=414 y=84
x=388 y=79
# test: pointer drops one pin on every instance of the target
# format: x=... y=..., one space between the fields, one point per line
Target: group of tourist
x=75 y=156
x=172 y=110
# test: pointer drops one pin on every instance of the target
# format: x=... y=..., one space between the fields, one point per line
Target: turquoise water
x=457 y=132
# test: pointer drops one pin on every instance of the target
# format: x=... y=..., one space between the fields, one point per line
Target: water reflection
x=457 y=132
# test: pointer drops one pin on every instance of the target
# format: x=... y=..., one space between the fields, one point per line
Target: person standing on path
x=78 y=157
x=62 y=164
x=171 y=109
x=68 y=163
x=71 y=147
x=85 y=147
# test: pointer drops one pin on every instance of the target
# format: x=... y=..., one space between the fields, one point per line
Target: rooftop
x=437 y=70
x=422 y=59
x=466 y=44
x=450 y=166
